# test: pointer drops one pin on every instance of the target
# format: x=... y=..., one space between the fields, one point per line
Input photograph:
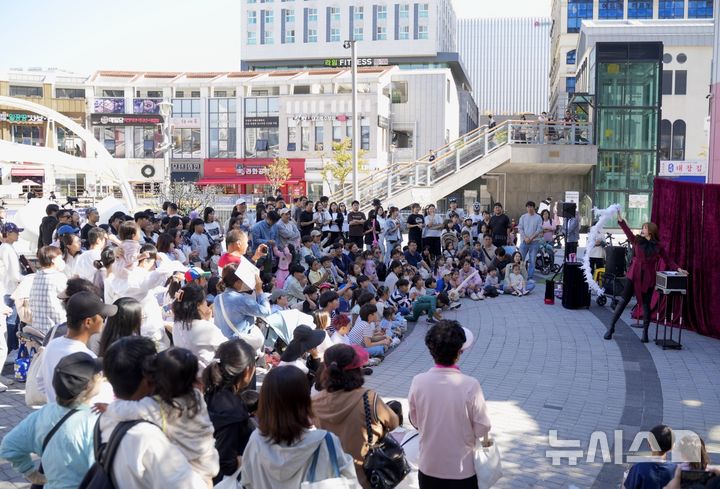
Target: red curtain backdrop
x=688 y=215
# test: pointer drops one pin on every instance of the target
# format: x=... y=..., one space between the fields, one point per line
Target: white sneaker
x=474 y=296
x=3 y=387
x=395 y=342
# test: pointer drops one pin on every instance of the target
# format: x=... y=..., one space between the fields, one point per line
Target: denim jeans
x=376 y=351
x=529 y=253
x=404 y=310
x=12 y=324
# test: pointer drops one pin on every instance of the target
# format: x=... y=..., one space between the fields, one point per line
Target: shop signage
x=244 y=170
x=683 y=168
x=347 y=62
x=638 y=201
x=383 y=122
x=572 y=196
x=16 y=118
x=185 y=122
x=124 y=120
x=262 y=121
x=109 y=105
x=146 y=105
x=319 y=117
x=185 y=166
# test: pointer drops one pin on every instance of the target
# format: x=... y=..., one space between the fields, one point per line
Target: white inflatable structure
x=98 y=158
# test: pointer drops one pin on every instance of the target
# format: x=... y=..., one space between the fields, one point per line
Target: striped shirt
x=362 y=329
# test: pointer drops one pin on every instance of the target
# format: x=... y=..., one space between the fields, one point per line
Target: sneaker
x=367 y=371
x=12 y=356
x=374 y=362
x=454 y=305
x=525 y=292
x=3 y=387
x=481 y=297
x=395 y=342
x=474 y=296
x=431 y=320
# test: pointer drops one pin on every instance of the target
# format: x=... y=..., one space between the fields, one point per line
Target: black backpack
x=100 y=474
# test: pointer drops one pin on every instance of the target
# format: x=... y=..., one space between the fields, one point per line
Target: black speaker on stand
x=575 y=293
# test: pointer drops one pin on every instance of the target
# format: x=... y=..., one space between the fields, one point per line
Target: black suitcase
x=576 y=293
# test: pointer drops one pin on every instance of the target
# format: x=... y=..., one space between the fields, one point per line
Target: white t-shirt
x=213 y=229
x=339 y=339
x=85 y=264
x=430 y=221
x=56 y=350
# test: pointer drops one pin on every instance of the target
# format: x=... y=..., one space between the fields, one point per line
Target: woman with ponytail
x=340 y=409
x=227 y=376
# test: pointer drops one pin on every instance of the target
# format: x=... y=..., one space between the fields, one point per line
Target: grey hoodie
x=267 y=465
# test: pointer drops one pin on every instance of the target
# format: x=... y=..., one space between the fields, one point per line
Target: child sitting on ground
x=341 y=325
x=474 y=286
x=177 y=407
x=418 y=288
x=517 y=282
x=431 y=305
x=346 y=293
x=365 y=332
x=388 y=326
x=400 y=298
x=366 y=285
x=309 y=305
x=279 y=301
x=318 y=275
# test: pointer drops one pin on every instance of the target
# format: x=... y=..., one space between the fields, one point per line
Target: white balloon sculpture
x=595 y=234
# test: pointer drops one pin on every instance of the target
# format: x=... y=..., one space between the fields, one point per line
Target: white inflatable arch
x=98 y=158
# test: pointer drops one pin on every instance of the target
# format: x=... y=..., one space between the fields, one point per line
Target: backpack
x=100 y=474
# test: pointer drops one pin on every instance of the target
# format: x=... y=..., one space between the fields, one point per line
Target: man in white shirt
x=85 y=265
x=86 y=314
x=145 y=457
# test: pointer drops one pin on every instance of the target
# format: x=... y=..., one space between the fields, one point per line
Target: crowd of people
x=150 y=336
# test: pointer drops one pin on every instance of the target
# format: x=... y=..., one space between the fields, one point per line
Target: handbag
x=337 y=481
x=255 y=338
x=22 y=364
x=33 y=395
x=385 y=465
x=488 y=463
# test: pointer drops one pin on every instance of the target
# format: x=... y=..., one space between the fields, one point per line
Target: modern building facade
x=59 y=90
x=568 y=16
x=714 y=159
x=508 y=63
x=647 y=85
x=293 y=35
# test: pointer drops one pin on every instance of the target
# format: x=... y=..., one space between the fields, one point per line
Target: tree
x=189 y=197
x=339 y=166
x=278 y=172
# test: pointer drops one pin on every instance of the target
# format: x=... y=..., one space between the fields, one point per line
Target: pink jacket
x=284 y=258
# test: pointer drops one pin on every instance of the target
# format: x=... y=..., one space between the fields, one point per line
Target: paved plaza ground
x=547 y=368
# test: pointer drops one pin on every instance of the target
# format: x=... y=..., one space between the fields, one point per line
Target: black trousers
x=427 y=482
x=570 y=248
x=358 y=240
x=628 y=292
x=435 y=246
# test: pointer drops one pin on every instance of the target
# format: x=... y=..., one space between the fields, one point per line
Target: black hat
x=304 y=339
x=141 y=215
x=73 y=373
x=85 y=305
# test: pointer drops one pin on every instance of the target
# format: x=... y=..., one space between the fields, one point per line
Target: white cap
x=469 y=339
x=240 y=202
x=282 y=211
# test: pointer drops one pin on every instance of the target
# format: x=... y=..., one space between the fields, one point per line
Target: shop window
x=113 y=138
x=23 y=91
x=681 y=82
x=678 y=140
x=31 y=135
x=262 y=142
x=187 y=143
x=665 y=139
x=145 y=140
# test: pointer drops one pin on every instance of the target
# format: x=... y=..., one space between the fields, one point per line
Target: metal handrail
x=464 y=151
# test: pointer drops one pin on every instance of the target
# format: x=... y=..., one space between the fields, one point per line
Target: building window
x=611 y=9
x=262 y=106
x=422 y=32
x=577 y=11
x=251 y=38
x=269 y=16
x=665 y=139
x=381 y=34
x=678 y=140
x=267 y=37
x=365 y=134
x=31 y=135
x=399 y=92
x=334 y=35
x=262 y=142
x=146 y=139
x=252 y=17
x=681 y=82
x=21 y=91
x=358 y=33
x=403 y=139
x=640 y=9
x=187 y=143
x=290 y=36
x=359 y=13
x=404 y=33
x=335 y=14
x=312 y=35
x=337 y=132
x=222 y=141
x=423 y=10
x=312 y=15
x=671 y=9
x=113 y=138
x=681 y=58
x=700 y=9
x=289 y=16
x=69 y=93
x=381 y=12
x=404 y=11
x=570 y=57
x=305 y=138
x=570 y=84
x=292 y=138
x=667 y=82
x=319 y=137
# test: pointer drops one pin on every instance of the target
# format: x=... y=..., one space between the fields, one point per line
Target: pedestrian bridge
x=527 y=146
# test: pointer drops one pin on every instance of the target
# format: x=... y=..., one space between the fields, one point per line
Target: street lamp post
x=166 y=112
x=350 y=44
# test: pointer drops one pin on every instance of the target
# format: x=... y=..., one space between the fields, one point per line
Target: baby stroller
x=612 y=284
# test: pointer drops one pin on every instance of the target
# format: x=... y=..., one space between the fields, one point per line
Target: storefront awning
x=240 y=181
x=27 y=172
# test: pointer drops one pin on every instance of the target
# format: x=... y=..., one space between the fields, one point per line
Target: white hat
x=469 y=339
x=282 y=211
x=240 y=202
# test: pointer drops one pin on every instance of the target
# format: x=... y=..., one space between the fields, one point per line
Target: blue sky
x=182 y=35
